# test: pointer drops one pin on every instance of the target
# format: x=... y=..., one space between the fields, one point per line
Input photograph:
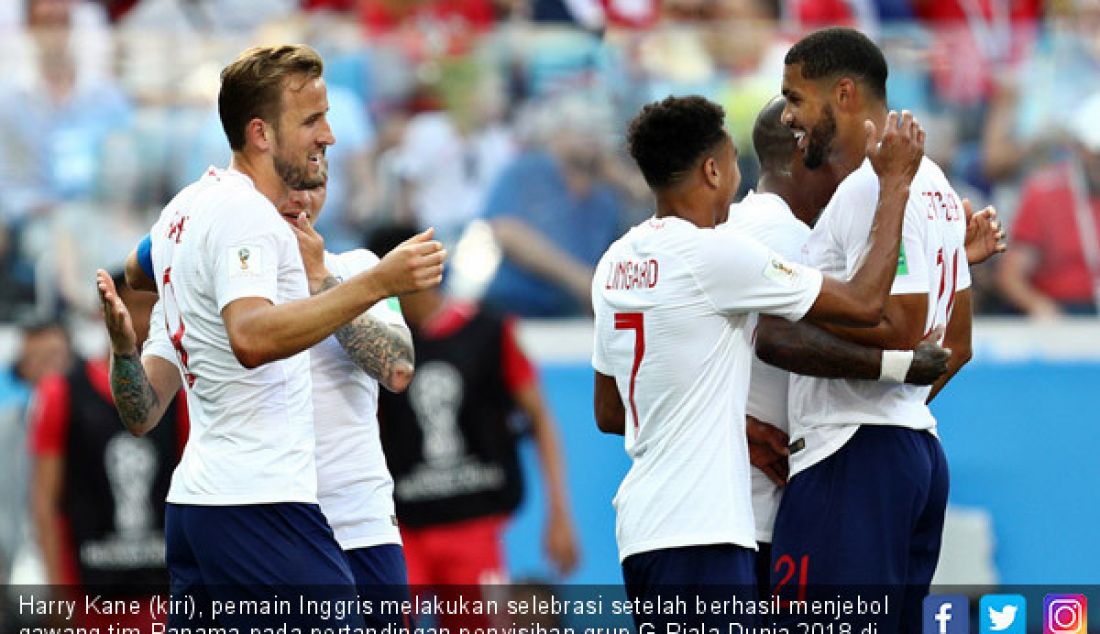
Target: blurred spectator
x=53 y=124
x=989 y=34
x=451 y=445
x=17 y=295
x=808 y=15
x=1053 y=266
x=97 y=492
x=554 y=211
x=99 y=232
x=380 y=16
x=595 y=15
x=204 y=16
x=44 y=350
x=83 y=22
x=448 y=159
x=1026 y=123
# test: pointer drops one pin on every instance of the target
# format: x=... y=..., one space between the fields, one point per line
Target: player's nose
x=786 y=117
x=326 y=137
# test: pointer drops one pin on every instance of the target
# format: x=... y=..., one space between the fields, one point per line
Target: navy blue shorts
x=869 y=520
x=253 y=566
x=714 y=572
x=380 y=575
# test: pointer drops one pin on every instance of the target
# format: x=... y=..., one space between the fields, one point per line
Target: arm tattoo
x=805 y=349
x=376 y=347
x=134 y=396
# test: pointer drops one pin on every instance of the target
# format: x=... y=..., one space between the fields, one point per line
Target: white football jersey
x=673 y=305
x=353 y=483
x=827 y=412
x=768 y=219
x=251 y=440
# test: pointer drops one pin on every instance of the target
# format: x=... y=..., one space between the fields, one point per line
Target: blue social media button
x=1004 y=613
x=946 y=614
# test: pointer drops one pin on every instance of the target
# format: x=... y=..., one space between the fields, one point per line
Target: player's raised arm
x=142 y=387
x=861 y=301
x=383 y=350
x=261 y=332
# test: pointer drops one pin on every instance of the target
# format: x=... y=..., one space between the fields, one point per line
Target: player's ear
x=844 y=92
x=258 y=133
x=711 y=174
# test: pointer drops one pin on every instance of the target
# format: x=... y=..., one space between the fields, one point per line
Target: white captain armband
x=895 y=365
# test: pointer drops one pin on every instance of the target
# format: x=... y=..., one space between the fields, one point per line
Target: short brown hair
x=252 y=85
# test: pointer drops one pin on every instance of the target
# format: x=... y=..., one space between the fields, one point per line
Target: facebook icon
x=946 y=614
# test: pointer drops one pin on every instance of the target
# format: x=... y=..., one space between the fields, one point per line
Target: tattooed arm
x=384 y=351
x=142 y=388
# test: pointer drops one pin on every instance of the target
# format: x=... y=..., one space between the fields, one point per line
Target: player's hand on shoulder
x=898 y=155
x=929 y=360
x=984 y=235
x=414 y=265
x=120 y=327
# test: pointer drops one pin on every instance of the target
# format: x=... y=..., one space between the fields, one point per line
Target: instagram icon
x=1065 y=614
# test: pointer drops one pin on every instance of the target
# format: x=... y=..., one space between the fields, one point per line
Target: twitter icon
x=1003 y=613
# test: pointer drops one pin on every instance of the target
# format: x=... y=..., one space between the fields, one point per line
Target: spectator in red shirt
x=1053 y=267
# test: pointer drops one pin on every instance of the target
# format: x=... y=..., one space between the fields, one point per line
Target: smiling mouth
x=802 y=140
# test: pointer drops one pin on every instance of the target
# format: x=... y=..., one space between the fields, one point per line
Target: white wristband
x=895 y=365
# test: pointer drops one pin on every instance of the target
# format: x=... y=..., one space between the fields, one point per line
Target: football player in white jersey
x=354 y=486
x=868 y=478
x=672 y=301
x=779 y=214
x=243 y=518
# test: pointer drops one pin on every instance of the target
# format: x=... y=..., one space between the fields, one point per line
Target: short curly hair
x=839 y=51
x=668 y=137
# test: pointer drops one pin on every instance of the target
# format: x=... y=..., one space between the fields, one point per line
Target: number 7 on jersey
x=635 y=322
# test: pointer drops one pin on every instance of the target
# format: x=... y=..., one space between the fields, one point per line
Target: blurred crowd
x=499 y=122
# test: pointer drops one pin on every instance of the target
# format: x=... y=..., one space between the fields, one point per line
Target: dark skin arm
x=806 y=349
x=901 y=328
x=610 y=413
x=830 y=351
x=958 y=338
x=768 y=449
x=861 y=301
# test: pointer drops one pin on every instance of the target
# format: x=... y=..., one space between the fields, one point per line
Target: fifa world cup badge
x=249 y=258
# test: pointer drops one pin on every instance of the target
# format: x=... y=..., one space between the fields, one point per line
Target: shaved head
x=772 y=140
